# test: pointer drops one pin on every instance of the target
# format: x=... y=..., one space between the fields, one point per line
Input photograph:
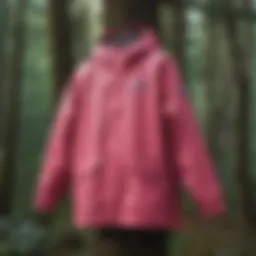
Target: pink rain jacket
x=124 y=141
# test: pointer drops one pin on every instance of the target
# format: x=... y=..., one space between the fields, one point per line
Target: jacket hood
x=111 y=53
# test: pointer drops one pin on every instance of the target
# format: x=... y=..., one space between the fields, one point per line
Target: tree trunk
x=60 y=28
x=243 y=80
x=179 y=34
x=13 y=109
x=210 y=73
x=80 y=29
x=4 y=20
x=61 y=43
x=219 y=94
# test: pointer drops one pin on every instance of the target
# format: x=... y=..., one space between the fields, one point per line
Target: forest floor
x=196 y=238
x=199 y=238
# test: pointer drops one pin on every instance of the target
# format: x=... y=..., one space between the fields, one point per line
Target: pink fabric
x=124 y=140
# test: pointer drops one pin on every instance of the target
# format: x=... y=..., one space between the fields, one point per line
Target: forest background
x=214 y=43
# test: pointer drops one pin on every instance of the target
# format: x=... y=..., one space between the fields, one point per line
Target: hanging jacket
x=124 y=142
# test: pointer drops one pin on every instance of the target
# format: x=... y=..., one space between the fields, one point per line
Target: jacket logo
x=138 y=85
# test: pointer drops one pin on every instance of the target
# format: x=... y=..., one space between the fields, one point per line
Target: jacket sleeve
x=54 y=174
x=193 y=161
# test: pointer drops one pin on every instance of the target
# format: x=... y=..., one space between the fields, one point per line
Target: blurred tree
x=4 y=18
x=61 y=43
x=210 y=73
x=243 y=79
x=80 y=28
x=179 y=27
x=14 y=80
x=220 y=93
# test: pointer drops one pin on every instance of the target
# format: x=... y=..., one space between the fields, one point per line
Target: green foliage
x=36 y=103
